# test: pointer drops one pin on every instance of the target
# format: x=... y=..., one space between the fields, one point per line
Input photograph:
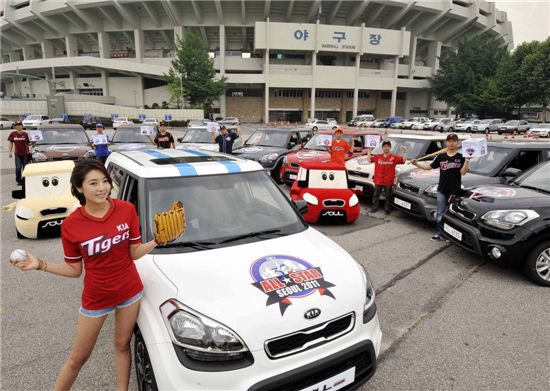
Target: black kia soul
x=506 y=222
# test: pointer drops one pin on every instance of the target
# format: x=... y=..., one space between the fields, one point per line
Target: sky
x=530 y=18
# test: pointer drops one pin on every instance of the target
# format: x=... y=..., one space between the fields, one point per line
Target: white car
x=367 y=123
x=321 y=124
x=150 y=121
x=466 y=126
x=5 y=123
x=250 y=297
x=540 y=130
x=121 y=121
x=408 y=124
x=361 y=171
x=33 y=121
x=198 y=137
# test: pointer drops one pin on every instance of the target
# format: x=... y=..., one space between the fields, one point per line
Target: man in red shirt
x=19 y=139
x=338 y=148
x=384 y=173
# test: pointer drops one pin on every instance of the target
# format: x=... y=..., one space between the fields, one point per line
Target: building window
x=361 y=94
x=327 y=94
x=244 y=92
x=387 y=95
x=91 y=91
x=290 y=93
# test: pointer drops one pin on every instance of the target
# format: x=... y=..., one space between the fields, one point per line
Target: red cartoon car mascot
x=324 y=186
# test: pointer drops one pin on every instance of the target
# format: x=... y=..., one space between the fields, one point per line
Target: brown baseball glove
x=169 y=225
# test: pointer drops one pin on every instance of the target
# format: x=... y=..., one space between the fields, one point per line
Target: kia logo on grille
x=312 y=313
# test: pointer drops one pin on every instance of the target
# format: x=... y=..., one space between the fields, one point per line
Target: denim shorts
x=110 y=310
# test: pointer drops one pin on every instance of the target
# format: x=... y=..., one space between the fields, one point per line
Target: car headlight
x=269 y=158
x=431 y=190
x=310 y=199
x=39 y=157
x=285 y=161
x=369 y=307
x=201 y=337
x=508 y=219
x=24 y=213
x=89 y=154
x=353 y=200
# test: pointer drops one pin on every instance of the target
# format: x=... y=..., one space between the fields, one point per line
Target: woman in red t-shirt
x=104 y=235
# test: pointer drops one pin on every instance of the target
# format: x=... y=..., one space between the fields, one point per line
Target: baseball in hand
x=18 y=256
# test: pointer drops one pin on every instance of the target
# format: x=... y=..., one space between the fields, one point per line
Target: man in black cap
x=452 y=166
x=19 y=140
x=225 y=139
x=164 y=139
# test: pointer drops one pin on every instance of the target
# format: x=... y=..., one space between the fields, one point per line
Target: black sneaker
x=437 y=238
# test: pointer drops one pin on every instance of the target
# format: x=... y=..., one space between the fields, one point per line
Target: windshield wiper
x=276 y=232
x=534 y=188
x=196 y=245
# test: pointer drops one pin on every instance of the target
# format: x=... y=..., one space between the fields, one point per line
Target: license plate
x=357 y=187
x=334 y=383
x=453 y=232
x=401 y=203
x=292 y=176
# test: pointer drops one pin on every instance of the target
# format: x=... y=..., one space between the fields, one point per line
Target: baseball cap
x=162 y=123
x=18 y=123
x=386 y=142
x=99 y=125
x=222 y=126
x=452 y=136
x=338 y=130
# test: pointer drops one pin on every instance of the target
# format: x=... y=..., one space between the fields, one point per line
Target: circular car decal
x=494 y=192
x=252 y=149
x=282 y=277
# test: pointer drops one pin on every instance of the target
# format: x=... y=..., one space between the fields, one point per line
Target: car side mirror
x=17 y=194
x=301 y=205
x=511 y=172
x=301 y=184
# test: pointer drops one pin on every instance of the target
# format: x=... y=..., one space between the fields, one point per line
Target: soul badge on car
x=283 y=278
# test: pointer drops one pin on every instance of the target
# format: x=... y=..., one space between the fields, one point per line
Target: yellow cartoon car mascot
x=45 y=200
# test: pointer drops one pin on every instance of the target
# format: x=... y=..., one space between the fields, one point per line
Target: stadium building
x=284 y=60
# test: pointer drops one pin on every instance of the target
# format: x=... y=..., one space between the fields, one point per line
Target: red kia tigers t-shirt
x=103 y=245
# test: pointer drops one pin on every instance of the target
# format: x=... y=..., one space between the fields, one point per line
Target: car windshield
x=541 y=126
x=130 y=136
x=120 y=119
x=32 y=117
x=196 y=123
x=197 y=136
x=485 y=165
x=416 y=147
x=314 y=142
x=269 y=138
x=150 y=120
x=224 y=207
x=512 y=123
x=485 y=121
x=537 y=178
x=63 y=136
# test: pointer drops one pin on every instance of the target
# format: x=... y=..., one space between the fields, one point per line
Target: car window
x=416 y=148
x=433 y=147
x=117 y=175
x=538 y=178
x=269 y=139
x=197 y=136
x=130 y=191
x=305 y=136
x=63 y=136
x=525 y=160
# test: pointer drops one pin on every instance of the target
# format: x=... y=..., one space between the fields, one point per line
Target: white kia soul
x=249 y=297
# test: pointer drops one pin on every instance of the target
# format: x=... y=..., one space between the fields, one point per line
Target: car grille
x=330 y=203
x=56 y=211
x=462 y=213
x=406 y=186
x=309 y=338
x=359 y=173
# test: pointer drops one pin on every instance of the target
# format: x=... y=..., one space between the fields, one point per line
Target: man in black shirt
x=452 y=166
x=225 y=139
x=164 y=139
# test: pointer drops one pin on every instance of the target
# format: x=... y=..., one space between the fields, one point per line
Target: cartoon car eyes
x=46 y=181
x=330 y=176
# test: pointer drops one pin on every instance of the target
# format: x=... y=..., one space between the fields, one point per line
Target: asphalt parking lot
x=449 y=319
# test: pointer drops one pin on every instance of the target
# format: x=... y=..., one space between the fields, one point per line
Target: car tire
x=19 y=236
x=315 y=128
x=144 y=370
x=334 y=127
x=486 y=130
x=540 y=256
x=499 y=132
x=468 y=130
x=276 y=173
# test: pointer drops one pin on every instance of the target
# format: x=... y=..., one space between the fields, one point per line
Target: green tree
x=536 y=67
x=193 y=71
x=464 y=79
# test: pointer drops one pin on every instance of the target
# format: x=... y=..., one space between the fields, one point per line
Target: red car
x=312 y=152
x=324 y=186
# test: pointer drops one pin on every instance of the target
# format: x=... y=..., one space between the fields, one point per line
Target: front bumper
x=358 y=349
x=414 y=204
x=361 y=184
x=513 y=247
x=287 y=172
